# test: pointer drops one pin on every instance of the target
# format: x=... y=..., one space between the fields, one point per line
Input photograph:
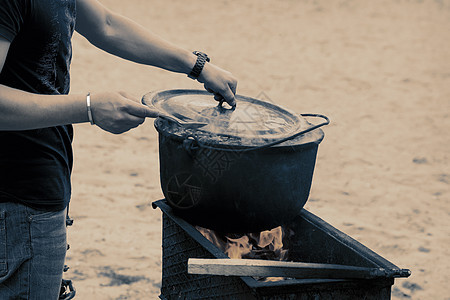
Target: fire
x=237 y=248
x=273 y=241
x=264 y=245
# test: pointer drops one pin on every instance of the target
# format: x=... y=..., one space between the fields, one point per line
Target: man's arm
x=19 y=110
x=121 y=36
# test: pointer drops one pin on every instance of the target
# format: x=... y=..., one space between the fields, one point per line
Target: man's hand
x=118 y=112
x=219 y=82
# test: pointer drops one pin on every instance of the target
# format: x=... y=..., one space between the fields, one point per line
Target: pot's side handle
x=326 y=122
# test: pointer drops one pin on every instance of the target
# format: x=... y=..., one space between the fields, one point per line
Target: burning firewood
x=266 y=245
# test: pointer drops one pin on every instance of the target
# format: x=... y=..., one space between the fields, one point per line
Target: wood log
x=270 y=268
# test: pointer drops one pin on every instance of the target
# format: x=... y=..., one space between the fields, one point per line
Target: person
x=36 y=113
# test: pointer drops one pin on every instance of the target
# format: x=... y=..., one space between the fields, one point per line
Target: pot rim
x=285 y=146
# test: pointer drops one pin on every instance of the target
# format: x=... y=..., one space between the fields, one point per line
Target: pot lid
x=252 y=122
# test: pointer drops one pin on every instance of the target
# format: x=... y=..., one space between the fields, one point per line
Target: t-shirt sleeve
x=12 y=15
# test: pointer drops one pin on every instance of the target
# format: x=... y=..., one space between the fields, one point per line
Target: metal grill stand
x=314 y=241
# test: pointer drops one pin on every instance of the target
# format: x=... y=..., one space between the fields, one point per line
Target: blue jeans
x=32 y=252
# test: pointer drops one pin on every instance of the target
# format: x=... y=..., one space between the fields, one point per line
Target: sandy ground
x=379 y=69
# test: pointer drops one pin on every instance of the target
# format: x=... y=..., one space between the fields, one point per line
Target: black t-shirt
x=35 y=165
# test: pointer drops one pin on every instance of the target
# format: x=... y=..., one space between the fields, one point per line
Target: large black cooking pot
x=248 y=169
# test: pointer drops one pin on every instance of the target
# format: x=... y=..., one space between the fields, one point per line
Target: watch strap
x=202 y=59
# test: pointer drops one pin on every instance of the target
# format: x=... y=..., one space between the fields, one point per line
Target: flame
x=264 y=245
x=236 y=248
x=211 y=236
x=273 y=241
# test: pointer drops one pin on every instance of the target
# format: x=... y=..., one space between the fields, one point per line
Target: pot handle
x=326 y=121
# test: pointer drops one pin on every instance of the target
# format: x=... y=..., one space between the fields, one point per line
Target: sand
x=380 y=70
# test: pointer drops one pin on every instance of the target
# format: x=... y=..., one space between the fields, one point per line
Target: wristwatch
x=202 y=59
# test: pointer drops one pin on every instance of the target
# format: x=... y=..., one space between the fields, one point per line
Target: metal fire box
x=313 y=241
